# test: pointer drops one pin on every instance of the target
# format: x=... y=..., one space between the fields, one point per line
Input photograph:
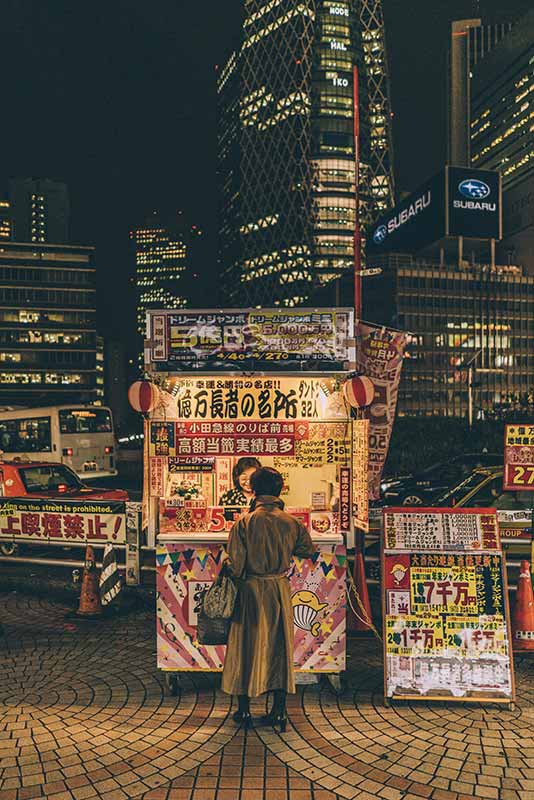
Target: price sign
x=445 y=605
x=519 y=458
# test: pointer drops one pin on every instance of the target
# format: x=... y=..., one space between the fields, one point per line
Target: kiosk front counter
x=187 y=564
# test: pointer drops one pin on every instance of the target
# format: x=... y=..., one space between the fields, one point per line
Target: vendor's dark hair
x=266 y=481
x=240 y=466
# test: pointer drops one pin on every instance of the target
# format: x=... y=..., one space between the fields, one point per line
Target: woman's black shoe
x=275 y=720
x=243 y=718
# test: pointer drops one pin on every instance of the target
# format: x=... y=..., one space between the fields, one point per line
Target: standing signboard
x=518 y=457
x=41 y=520
x=445 y=606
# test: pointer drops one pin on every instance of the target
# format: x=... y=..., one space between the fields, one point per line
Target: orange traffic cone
x=523 y=617
x=359 y=612
x=90 y=605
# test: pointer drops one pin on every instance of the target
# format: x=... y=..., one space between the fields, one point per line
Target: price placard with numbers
x=519 y=458
x=445 y=606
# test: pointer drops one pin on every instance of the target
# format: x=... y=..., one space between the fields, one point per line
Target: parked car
x=20 y=478
x=44 y=479
x=424 y=487
x=483 y=489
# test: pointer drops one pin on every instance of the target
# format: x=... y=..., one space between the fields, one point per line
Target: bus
x=79 y=436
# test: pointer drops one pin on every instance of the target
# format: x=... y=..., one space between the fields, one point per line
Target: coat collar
x=265 y=500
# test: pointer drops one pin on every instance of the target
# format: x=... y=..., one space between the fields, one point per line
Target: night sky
x=117 y=98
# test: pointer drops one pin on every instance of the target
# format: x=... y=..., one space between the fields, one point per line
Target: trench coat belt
x=267 y=577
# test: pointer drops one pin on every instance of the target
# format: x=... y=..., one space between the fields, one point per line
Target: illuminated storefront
x=47 y=324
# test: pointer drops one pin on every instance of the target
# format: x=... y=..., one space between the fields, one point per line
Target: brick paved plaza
x=85 y=714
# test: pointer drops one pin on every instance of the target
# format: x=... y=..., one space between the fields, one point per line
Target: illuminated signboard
x=413 y=223
x=458 y=201
x=474 y=203
x=245 y=340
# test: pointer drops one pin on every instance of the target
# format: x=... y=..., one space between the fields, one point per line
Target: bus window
x=85 y=420
x=25 y=435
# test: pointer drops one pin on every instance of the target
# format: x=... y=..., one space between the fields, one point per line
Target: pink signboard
x=185 y=571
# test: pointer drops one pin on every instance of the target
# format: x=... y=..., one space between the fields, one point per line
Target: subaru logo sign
x=380 y=234
x=474 y=189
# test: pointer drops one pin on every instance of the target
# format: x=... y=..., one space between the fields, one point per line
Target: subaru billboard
x=413 y=223
x=474 y=200
x=456 y=202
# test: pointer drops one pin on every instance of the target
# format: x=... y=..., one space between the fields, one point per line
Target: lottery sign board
x=519 y=458
x=259 y=340
x=445 y=606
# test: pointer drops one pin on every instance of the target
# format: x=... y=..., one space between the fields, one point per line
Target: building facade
x=454 y=316
x=502 y=94
x=502 y=133
x=48 y=342
x=160 y=252
x=5 y=220
x=40 y=210
x=304 y=136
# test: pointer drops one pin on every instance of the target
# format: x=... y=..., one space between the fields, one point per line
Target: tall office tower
x=484 y=38
x=228 y=171
x=502 y=128
x=502 y=133
x=5 y=219
x=310 y=84
x=48 y=346
x=160 y=261
x=40 y=210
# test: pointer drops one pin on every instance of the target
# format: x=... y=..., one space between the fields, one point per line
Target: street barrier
x=29 y=526
x=523 y=616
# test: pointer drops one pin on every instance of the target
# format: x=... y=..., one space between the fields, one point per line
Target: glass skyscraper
x=502 y=127
x=160 y=261
x=304 y=136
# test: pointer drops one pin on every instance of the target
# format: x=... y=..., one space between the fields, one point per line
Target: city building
x=454 y=316
x=5 y=219
x=40 y=210
x=304 y=137
x=502 y=133
x=160 y=251
x=47 y=324
x=457 y=316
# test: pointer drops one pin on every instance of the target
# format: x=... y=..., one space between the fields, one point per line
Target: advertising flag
x=379 y=355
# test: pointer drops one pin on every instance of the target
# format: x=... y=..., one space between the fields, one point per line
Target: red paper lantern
x=359 y=391
x=143 y=396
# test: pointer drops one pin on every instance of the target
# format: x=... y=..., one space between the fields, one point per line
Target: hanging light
x=359 y=391
x=143 y=396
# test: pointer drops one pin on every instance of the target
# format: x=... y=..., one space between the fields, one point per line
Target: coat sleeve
x=304 y=547
x=237 y=551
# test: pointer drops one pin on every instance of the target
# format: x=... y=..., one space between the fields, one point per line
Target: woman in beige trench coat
x=259 y=656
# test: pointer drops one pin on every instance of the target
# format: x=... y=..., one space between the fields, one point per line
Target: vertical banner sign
x=519 y=457
x=445 y=606
x=159 y=342
x=360 y=473
x=158 y=469
x=344 y=499
x=379 y=355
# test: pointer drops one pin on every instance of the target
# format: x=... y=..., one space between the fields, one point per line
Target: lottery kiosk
x=237 y=389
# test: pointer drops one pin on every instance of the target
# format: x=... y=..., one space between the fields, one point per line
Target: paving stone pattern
x=84 y=713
